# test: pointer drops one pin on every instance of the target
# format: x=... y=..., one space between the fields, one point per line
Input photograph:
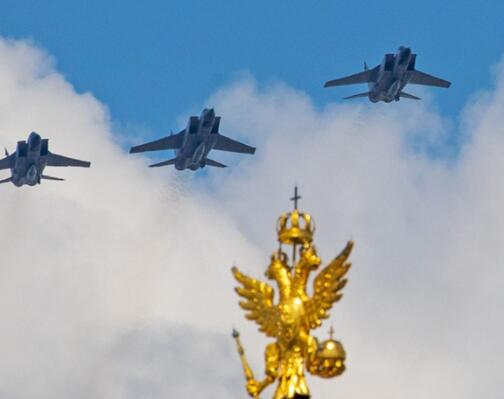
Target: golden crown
x=295 y=228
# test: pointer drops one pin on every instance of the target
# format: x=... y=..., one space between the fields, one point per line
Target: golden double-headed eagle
x=290 y=319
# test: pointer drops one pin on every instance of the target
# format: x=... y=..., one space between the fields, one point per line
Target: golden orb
x=332 y=349
x=329 y=360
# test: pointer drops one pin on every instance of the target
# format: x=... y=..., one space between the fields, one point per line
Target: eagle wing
x=258 y=302
x=327 y=288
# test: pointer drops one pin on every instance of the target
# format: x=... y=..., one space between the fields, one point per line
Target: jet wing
x=172 y=142
x=7 y=162
x=60 y=160
x=361 y=77
x=224 y=143
x=421 y=78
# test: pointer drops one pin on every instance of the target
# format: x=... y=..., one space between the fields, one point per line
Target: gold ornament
x=290 y=318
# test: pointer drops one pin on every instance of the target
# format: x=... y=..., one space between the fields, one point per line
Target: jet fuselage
x=30 y=161
x=199 y=139
x=392 y=77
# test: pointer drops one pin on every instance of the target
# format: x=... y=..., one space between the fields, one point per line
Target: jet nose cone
x=33 y=136
x=406 y=51
x=34 y=141
x=208 y=115
x=404 y=54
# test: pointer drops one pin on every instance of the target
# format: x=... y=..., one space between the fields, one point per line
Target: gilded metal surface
x=290 y=320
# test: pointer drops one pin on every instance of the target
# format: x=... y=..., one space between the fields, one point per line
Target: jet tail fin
x=402 y=94
x=211 y=162
x=6 y=180
x=164 y=163
x=44 y=177
x=366 y=94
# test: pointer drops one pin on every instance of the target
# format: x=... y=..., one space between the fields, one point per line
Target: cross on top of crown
x=296 y=198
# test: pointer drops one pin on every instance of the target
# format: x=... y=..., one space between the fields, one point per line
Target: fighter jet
x=387 y=81
x=27 y=164
x=193 y=144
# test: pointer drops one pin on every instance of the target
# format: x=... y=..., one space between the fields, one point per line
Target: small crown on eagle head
x=295 y=228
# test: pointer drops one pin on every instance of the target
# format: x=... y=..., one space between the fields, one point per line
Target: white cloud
x=119 y=277
x=108 y=250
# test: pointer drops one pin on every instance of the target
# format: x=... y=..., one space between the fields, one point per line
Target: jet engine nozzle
x=32 y=175
x=199 y=152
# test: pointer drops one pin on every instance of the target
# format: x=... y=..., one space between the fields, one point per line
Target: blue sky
x=152 y=62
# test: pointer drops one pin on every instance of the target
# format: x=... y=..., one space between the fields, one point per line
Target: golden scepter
x=249 y=375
